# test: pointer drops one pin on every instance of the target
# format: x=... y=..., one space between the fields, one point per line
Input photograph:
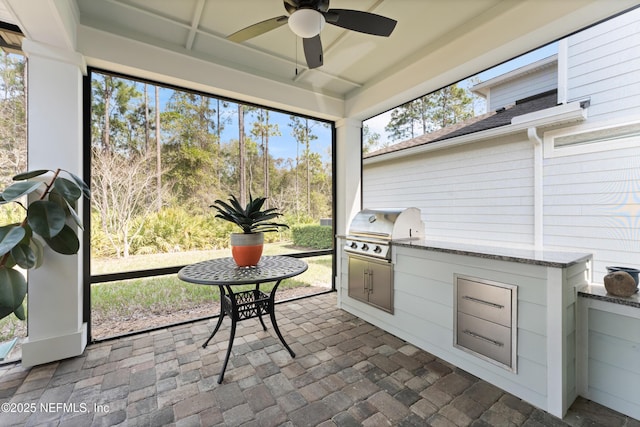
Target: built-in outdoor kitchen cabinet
x=425 y=312
x=485 y=319
x=371 y=282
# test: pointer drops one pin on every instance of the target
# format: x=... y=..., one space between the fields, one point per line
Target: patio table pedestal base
x=244 y=304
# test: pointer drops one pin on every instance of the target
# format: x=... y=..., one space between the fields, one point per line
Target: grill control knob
x=354 y=245
x=377 y=249
x=365 y=247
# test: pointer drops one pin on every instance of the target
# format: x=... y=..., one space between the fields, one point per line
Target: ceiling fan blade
x=364 y=22
x=291 y=5
x=313 y=51
x=258 y=29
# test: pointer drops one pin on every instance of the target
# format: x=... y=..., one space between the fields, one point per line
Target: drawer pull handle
x=480 y=337
x=481 y=301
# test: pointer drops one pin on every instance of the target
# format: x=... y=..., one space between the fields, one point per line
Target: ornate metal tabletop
x=224 y=271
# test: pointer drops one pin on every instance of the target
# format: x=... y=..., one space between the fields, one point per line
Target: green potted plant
x=246 y=247
x=49 y=215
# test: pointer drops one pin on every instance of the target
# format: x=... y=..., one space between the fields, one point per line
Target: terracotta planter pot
x=246 y=248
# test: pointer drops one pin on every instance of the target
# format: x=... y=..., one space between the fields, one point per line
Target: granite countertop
x=600 y=293
x=547 y=258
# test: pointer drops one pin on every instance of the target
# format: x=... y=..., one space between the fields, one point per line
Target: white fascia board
x=111 y=52
x=560 y=114
x=551 y=116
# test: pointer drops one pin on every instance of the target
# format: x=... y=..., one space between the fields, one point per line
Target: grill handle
x=365 y=282
x=368 y=281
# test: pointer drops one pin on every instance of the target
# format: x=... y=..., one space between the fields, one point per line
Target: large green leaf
x=19 y=312
x=13 y=288
x=20 y=189
x=38 y=251
x=68 y=189
x=85 y=188
x=69 y=207
x=10 y=236
x=65 y=242
x=24 y=256
x=30 y=174
x=75 y=216
x=46 y=218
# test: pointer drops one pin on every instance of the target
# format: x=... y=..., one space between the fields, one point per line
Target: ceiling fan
x=307 y=18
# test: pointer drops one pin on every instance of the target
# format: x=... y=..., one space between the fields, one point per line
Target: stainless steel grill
x=368 y=247
x=372 y=230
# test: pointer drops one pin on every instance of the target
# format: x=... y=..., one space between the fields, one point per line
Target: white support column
x=349 y=186
x=56 y=329
x=556 y=344
x=348 y=171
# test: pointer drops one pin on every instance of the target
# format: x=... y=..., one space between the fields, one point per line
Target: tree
x=370 y=140
x=429 y=113
x=188 y=148
x=262 y=129
x=13 y=119
x=122 y=194
x=302 y=131
x=117 y=119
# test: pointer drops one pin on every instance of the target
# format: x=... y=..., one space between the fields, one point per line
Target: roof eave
x=561 y=114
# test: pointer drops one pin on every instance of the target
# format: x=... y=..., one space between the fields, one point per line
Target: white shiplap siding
x=481 y=193
x=537 y=82
x=592 y=204
x=603 y=64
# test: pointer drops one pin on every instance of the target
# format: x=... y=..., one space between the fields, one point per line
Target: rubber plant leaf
x=19 y=312
x=38 y=250
x=20 y=189
x=13 y=288
x=75 y=216
x=46 y=218
x=30 y=174
x=65 y=242
x=68 y=189
x=24 y=256
x=10 y=236
x=83 y=186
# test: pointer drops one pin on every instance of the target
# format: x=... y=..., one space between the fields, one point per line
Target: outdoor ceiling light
x=306 y=23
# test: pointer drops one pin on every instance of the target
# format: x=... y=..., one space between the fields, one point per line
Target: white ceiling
x=435 y=42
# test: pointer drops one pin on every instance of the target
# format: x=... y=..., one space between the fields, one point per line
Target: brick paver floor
x=346 y=373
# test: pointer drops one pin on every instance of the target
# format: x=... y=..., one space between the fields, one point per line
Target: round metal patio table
x=224 y=273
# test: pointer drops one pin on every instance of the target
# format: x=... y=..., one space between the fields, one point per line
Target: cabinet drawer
x=492 y=303
x=486 y=338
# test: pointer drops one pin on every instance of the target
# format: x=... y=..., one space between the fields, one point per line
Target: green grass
x=163 y=294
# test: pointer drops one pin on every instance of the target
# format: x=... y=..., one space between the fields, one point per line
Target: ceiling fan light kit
x=306 y=23
x=307 y=18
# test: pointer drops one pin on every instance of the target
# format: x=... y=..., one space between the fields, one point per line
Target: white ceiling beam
x=51 y=22
x=120 y=54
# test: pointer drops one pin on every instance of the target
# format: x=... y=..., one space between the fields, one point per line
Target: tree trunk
x=146 y=118
x=241 y=149
x=308 y=146
x=107 y=102
x=266 y=161
x=158 y=152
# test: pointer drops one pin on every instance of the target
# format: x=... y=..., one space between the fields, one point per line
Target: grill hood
x=387 y=224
